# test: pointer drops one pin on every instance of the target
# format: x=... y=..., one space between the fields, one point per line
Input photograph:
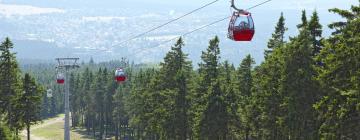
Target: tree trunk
x=117 y=132
x=101 y=123
x=93 y=126
x=28 y=131
x=82 y=117
x=247 y=134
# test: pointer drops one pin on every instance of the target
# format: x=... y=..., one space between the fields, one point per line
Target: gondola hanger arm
x=237 y=9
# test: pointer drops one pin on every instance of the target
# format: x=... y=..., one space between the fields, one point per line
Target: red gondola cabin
x=60 y=79
x=241 y=27
x=120 y=75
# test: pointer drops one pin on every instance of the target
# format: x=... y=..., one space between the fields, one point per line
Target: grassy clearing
x=56 y=132
x=53 y=129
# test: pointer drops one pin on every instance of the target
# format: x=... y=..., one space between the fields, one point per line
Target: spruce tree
x=5 y=133
x=97 y=104
x=299 y=88
x=109 y=102
x=171 y=85
x=10 y=85
x=182 y=79
x=339 y=107
x=245 y=85
x=213 y=124
x=30 y=102
x=118 y=112
x=207 y=74
x=86 y=102
x=267 y=99
x=231 y=98
x=304 y=22
x=73 y=85
x=53 y=104
x=277 y=38
x=315 y=29
x=245 y=77
x=212 y=121
x=45 y=103
x=349 y=15
x=139 y=105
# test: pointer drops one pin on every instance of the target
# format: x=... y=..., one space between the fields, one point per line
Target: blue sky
x=265 y=16
x=275 y=4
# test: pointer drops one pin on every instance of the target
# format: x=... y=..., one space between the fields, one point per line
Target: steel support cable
x=162 y=25
x=258 y=4
x=183 y=35
x=195 y=30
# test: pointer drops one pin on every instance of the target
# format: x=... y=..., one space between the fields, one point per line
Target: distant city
x=45 y=33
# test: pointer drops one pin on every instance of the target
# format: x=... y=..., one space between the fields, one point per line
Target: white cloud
x=172 y=12
x=102 y=18
x=24 y=10
x=162 y=38
x=149 y=15
x=309 y=4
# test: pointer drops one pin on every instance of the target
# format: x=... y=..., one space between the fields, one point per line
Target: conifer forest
x=307 y=88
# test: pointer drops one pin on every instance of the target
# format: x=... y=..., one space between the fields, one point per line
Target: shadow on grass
x=83 y=133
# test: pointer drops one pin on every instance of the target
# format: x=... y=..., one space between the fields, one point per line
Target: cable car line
x=212 y=23
x=258 y=4
x=120 y=75
x=195 y=30
x=162 y=25
x=183 y=35
x=187 y=33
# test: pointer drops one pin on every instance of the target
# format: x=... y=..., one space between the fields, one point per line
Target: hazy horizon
x=79 y=27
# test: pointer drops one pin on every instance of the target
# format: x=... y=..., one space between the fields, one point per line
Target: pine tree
x=244 y=75
x=304 y=22
x=109 y=102
x=77 y=101
x=73 y=85
x=267 y=99
x=277 y=38
x=339 y=107
x=245 y=86
x=86 y=99
x=213 y=125
x=231 y=99
x=299 y=88
x=176 y=63
x=347 y=14
x=315 y=29
x=53 y=105
x=44 y=107
x=10 y=85
x=97 y=104
x=30 y=103
x=5 y=133
x=91 y=61
x=170 y=91
x=101 y=100
x=118 y=112
x=138 y=104
x=212 y=121
x=207 y=74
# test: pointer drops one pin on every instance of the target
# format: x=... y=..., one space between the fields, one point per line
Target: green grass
x=55 y=131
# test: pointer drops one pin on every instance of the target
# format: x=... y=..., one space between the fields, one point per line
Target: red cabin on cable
x=241 y=27
x=120 y=75
x=60 y=79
